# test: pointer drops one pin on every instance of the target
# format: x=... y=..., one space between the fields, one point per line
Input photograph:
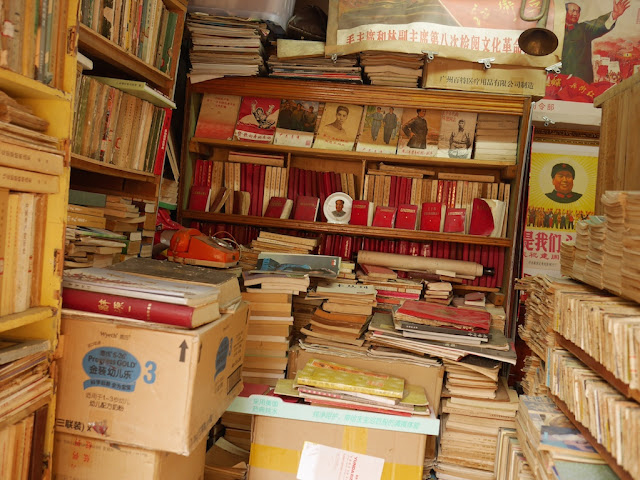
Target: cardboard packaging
x=82 y=458
x=277 y=446
x=147 y=385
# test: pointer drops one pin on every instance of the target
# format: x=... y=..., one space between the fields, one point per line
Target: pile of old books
x=225 y=46
x=275 y=242
x=391 y=290
x=331 y=384
x=438 y=292
x=392 y=68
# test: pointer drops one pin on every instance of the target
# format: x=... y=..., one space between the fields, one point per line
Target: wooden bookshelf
x=28 y=317
x=597 y=367
x=622 y=473
x=340 y=229
x=90 y=165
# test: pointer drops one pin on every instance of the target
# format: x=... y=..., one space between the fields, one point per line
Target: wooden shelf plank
x=19 y=86
x=340 y=229
x=96 y=45
x=348 y=156
x=92 y=165
x=621 y=472
x=597 y=367
x=22 y=414
x=32 y=315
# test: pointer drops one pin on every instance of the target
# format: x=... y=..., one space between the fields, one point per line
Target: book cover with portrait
x=457 y=131
x=296 y=123
x=419 y=132
x=257 y=119
x=338 y=126
x=379 y=129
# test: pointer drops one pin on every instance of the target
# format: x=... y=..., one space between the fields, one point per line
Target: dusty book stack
x=133 y=318
x=274 y=242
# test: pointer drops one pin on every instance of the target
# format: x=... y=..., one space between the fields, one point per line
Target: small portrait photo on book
x=337 y=208
x=419 y=132
x=457 y=131
x=296 y=123
x=379 y=129
x=338 y=126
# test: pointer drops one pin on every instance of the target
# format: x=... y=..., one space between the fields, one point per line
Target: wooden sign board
x=461 y=75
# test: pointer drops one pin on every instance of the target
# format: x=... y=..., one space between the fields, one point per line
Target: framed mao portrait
x=337 y=208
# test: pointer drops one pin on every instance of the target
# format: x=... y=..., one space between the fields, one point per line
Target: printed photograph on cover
x=324 y=266
x=457 y=131
x=338 y=126
x=379 y=130
x=218 y=115
x=337 y=208
x=296 y=123
x=419 y=132
x=257 y=119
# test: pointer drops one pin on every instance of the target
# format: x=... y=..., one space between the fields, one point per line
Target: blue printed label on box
x=111 y=367
x=221 y=355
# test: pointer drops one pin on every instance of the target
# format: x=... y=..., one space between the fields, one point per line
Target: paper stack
x=392 y=68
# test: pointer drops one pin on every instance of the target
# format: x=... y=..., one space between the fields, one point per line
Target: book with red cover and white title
x=407 y=216
x=432 y=216
x=361 y=213
x=384 y=217
x=481 y=218
x=257 y=119
x=306 y=208
x=454 y=220
x=279 y=207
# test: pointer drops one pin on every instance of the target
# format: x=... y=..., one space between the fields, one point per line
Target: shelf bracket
x=487 y=62
x=429 y=55
x=547 y=121
x=334 y=57
x=555 y=68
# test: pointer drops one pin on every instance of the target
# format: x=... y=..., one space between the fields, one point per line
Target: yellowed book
x=84 y=220
x=352 y=186
x=40 y=226
x=24 y=260
x=25 y=181
x=9 y=212
x=24 y=158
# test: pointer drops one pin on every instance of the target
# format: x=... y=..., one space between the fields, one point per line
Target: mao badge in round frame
x=337 y=208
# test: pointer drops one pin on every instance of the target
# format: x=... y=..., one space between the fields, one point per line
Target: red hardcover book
x=493 y=259
x=414 y=248
x=439 y=191
x=407 y=216
x=469 y=320
x=139 y=309
x=453 y=187
x=484 y=261
x=392 y=191
x=306 y=208
x=260 y=191
x=384 y=217
x=278 y=207
x=313 y=175
x=445 y=249
x=432 y=216
x=332 y=179
x=481 y=218
x=402 y=247
x=339 y=186
x=249 y=178
x=454 y=220
x=162 y=142
x=361 y=213
x=291 y=184
x=308 y=188
x=199 y=198
x=255 y=190
x=477 y=256
x=499 y=266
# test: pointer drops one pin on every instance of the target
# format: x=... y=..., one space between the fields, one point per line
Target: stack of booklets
x=275 y=243
x=472 y=377
x=344 y=69
x=391 y=291
x=92 y=247
x=225 y=46
x=303 y=309
x=438 y=292
x=553 y=446
x=614 y=206
x=392 y=68
x=473 y=423
x=343 y=317
x=335 y=385
x=511 y=464
x=268 y=336
x=150 y=294
x=275 y=282
x=347 y=274
x=496 y=137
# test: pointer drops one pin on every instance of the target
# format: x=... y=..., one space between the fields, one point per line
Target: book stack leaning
x=153 y=353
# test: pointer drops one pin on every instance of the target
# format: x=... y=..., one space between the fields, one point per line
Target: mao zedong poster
x=562 y=190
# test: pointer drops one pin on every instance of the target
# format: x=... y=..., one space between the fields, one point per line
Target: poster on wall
x=601 y=48
x=562 y=190
x=458 y=29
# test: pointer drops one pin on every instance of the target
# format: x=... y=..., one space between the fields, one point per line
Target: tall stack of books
x=275 y=242
x=392 y=68
x=344 y=69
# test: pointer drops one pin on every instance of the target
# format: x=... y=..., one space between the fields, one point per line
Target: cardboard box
x=148 y=385
x=82 y=458
x=277 y=444
x=428 y=377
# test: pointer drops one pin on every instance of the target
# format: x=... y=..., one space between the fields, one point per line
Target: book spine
x=162 y=144
x=127 y=307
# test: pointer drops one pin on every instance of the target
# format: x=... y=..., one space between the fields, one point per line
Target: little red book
x=481 y=218
x=384 y=217
x=306 y=208
x=454 y=220
x=199 y=198
x=361 y=213
x=432 y=216
x=407 y=216
x=278 y=207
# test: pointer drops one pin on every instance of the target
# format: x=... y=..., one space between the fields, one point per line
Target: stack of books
x=225 y=46
x=343 y=69
x=275 y=243
x=391 y=290
x=392 y=68
x=92 y=247
x=496 y=137
x=438 y=292
x=268 y=336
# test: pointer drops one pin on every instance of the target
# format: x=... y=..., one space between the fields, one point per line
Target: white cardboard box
x=148 y=385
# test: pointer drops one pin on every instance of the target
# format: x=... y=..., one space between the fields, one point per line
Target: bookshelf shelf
x=340 y=229
x=26 y=412
x=196 y=143
x=96 y=45
x=622 y=473
x=19 y=86
x=597 y=367
x=28 y=317
x=92 y=165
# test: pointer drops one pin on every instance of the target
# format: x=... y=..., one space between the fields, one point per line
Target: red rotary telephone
x=192 y=247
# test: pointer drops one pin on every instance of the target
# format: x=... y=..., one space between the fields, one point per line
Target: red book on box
x=384 y=217
x=432 y=216
x=407 y=216
x=361 y=213
x=454 y=220
x=306 y=208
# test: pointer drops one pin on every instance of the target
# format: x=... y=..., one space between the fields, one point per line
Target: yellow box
x=82 y=458
x=148 y=385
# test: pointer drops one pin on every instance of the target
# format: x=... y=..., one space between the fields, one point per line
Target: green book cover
x=167 y=46
x=139 y=89
x=87 y=199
